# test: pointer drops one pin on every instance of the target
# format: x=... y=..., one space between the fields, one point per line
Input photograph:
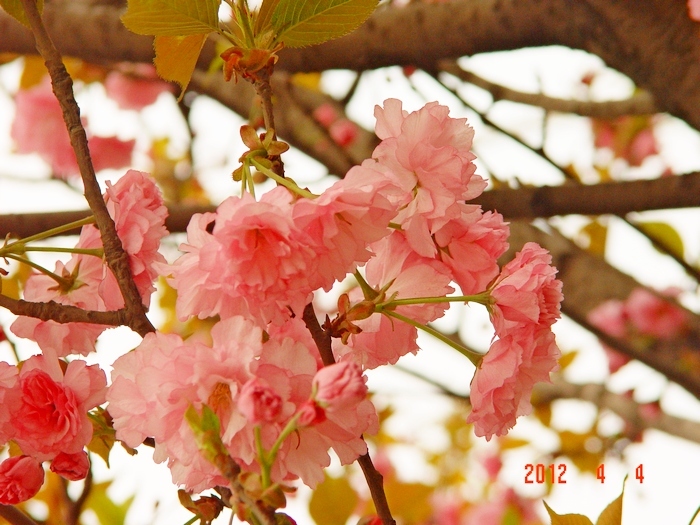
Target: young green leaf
x=176 y=57
x=172 y=17
x=14 y=9
x=307 y=22
x=264 y=18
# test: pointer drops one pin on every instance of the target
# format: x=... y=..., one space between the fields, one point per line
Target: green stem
x=472 y=356
x=694 y=516
x=291 y=427
x=287 y=183
x=97 y=252
x=64 y=283
x=481 y=298
x=265 y=464
x=369 y=292
x=191 y=520
x=54 y=231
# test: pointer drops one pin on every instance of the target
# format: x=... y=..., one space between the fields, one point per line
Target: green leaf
x=307 y=22
x=665 y=237
x=106 y=510
x=566 y=519
x=103 y=435
x=333 y=502
x=172 y=17
x=14 y=9
x=264 y=18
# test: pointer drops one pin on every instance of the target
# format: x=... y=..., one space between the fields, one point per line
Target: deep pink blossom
x=21 y=477
x=52 y=417
x=526 y=292
x=10 y=399
x=73 y=467
x=501 y=387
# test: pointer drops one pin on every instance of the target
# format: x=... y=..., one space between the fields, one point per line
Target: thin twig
x=62 y=84
x=62 y=313
x=321 y=337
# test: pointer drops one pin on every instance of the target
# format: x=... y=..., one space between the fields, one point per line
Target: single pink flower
x=610 y=317
x=428 y=155
x=340 y=385
x=52 y=417
x=651 y=315
x=325 y=114
x=501 y=387
x=135 y=89
x=471 y=246
x=73 y=467
x=343 y=132
x=526 y=292
x=21 y=477
x=342 y=222
x=259 y=402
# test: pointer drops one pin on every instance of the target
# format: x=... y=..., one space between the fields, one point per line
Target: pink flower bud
x=340 y=385
x=343 y=132
x=21 y=477
x=310 y=414
x=73 y=467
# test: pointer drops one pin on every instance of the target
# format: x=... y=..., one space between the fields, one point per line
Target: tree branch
x=62 y=313
x=639 y=104
x=615 y=198
x=117 y=259
x=15 y=516
x=652 y=42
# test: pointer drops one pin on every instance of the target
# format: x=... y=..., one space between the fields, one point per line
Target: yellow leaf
x=597 y=234
x=172 y=17
x=333 y=501
x=409 y=501
x=509 y=443
x=176 y=57
x=14 y=8
x=664 y=237
x=612 y=515
x=566 y=359
x=566 y=519
x=310 y=81
x=33 y=71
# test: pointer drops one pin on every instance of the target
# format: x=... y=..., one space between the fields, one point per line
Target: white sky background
x=668 y=494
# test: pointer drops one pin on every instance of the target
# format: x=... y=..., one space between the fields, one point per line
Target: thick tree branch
x=652 y=41
x=62 y=313
x=615 y=198
x=15 y=516
x=639 y=104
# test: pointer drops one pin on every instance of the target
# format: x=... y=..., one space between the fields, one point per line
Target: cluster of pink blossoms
x=402 y=217
x=44 y=403
x=642 y=315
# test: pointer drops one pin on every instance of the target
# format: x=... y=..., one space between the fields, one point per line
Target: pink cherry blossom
x=325 y=114
x=259 y=402
x=343 y=132
x=340 y=385
x=21 y=477
x=256 y=261
x=344 y=220
x=10 y=399
x=501 y=387
x=610 y=317
x=52 y=417
x=428 y=154
x=526 y=291
x=38 y=127
x=651 y=315
x=135 y=89
x=471 y=246
x=73 y=467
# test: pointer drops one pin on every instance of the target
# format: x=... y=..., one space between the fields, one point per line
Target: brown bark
x=652 y=41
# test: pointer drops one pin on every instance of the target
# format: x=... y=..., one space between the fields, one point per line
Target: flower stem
x=64 y=283
x=52 y=232
x=481 y=298
x=287 y=183
x=472 y=356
